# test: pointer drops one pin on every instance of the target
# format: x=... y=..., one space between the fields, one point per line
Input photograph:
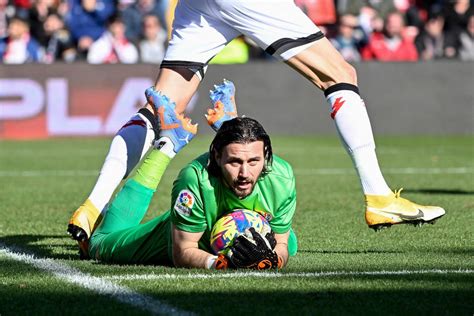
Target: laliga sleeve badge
x=184 y=203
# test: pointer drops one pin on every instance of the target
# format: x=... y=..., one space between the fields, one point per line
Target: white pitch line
x=345 y=171
x=298 y=171
x=274 y=275
x=95 y=284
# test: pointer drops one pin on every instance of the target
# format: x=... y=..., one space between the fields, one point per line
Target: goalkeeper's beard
x=242 y=187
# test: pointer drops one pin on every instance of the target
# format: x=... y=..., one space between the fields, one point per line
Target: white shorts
x=202 y=28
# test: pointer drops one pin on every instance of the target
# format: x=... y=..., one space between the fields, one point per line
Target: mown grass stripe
x=272 y=275
x=95 y=284
x=298 y=171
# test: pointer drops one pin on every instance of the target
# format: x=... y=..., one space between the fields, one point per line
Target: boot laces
x=397 y=193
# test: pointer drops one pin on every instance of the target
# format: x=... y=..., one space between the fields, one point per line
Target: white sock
x=128 y=147
x=112 y=172
x=165 y=145
x=353 y=125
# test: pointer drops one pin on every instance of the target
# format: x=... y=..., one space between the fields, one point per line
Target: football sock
x=152 y=169
x=353 y=125
x=129 y=145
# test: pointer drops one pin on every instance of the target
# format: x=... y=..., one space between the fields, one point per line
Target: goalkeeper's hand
x=255 y=252
x=223 y=101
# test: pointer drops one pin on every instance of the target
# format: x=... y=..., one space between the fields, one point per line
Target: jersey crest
x=184 y=203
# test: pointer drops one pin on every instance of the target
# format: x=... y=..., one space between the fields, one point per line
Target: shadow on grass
x=450 y=294
x=348 y=251
x=61 y=248
x=439 y=191
x=426 y=294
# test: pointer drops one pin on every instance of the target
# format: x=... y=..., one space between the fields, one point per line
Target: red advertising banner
x=39 y=101
x=65 y=100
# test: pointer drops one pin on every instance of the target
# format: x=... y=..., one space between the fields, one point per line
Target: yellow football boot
x=385 y=211
x=82 y=224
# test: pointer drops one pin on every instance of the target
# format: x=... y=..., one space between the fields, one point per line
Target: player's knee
x=350 y=74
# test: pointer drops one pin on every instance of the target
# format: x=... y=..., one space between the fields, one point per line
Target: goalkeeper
x=238 y=172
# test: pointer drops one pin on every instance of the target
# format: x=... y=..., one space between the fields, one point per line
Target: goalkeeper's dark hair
x=240 y=130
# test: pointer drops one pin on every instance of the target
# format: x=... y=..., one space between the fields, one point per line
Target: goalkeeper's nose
x=244 y=171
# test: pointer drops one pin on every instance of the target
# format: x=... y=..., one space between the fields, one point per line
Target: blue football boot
x=223 y=101
x=173 y=126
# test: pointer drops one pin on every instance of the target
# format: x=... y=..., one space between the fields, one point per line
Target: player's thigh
x=284 y=31
x=277 y=26
x=323 y=65
x=197 y=36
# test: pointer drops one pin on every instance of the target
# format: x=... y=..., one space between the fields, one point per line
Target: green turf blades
x=332 y=234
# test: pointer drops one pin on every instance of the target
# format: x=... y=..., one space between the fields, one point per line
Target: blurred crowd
x=133 y=31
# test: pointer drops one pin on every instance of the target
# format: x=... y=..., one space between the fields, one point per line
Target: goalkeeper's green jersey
x=199 y=199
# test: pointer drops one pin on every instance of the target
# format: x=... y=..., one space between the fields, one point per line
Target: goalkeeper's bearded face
x=241 y=166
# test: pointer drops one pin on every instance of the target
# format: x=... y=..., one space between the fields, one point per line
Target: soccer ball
x=233 y=225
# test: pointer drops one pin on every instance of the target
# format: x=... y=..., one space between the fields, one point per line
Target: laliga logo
x=26 y=99
x=186 y=199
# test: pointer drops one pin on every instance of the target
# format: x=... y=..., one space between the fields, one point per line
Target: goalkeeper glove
x=223 y=100
x=222 y=263
x=255 y=252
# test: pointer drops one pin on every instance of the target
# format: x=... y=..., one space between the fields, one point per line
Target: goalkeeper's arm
x=281 y=247
x=186 y=252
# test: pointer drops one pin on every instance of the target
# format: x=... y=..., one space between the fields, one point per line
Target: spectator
x=133 y=15
x=59 y=44
x=350 y=38
x=22 y=8
x=37 y=15
x=456 y=16
x=381 y=7
x=18 y=47
x=430 y=43
x=113 y=47
x=86 y=21
x=152 y=46
x=321 y=12
x=370 y=20
x=6 y=12
x=466 y=41
x=391 y=45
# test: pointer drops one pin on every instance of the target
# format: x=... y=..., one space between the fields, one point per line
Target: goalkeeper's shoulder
x=281 y=169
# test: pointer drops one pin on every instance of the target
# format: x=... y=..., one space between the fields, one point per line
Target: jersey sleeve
x=187 y=211
x=283 y=216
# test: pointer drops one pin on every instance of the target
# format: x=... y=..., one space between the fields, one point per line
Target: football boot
x=224 y=107
x=82 y=224
x=385 y=211
x=173 y=125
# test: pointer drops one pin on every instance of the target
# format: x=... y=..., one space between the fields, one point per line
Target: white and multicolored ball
x=234 y=224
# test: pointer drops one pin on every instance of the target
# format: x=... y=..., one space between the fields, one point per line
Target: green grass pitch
x=342 y=267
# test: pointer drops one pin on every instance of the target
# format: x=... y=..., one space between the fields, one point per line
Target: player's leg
x=284 y=31
x=119 y=237
x=197 y=36
x=128 y=146
x=325 y=67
